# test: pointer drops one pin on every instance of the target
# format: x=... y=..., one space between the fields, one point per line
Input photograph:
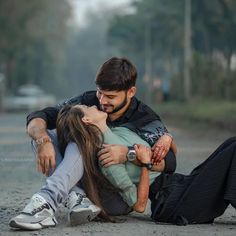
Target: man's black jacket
x=139 y=117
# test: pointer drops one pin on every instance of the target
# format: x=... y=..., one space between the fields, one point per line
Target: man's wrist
x=43 y=140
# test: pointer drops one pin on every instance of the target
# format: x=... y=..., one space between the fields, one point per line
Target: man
x=115 y=95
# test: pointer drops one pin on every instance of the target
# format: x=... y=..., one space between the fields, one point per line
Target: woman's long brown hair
x=89 y=140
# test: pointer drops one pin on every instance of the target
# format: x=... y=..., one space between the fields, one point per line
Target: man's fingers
x=47 y=167
x=102 y=151
x=163 y=154
x=42 y=166
x=103 y=157
x=106 y=161
x=39 y=167
x=157 y=155
x=154 y=147
x=53 y=163
x=109 y=164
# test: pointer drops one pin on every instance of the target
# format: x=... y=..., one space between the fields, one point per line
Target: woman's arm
x=144 y=156
x=142 y=191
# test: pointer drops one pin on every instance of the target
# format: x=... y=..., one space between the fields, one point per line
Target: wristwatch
x=147 y=165
x=131 y=154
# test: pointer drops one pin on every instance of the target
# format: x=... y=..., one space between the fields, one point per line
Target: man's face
x=112 y=101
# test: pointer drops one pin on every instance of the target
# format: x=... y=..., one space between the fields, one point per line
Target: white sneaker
x=36 y=215
x=81 y=209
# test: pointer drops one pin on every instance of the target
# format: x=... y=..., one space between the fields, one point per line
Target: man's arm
x=37 y=128
x=112 y=154
x=46 y=159
x=162 y=147
x=49 y=114
x=37 y=124
x=149 y=126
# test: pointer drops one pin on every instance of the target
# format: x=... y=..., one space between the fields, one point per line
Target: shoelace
x=34 y=205
x=68 y=202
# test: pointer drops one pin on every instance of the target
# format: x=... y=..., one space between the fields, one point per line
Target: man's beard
x=119 y=107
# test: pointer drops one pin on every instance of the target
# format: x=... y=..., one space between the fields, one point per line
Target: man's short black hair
x=116 y=74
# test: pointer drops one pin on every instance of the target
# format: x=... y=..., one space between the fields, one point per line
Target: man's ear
x=86 y=120
x=131 y=92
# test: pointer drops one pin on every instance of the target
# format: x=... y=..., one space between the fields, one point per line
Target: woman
x=86 y=126
x=197 y=198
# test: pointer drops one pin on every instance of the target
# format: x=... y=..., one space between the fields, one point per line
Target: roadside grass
x=199 y=113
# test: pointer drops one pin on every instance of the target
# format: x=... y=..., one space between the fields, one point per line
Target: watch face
x=131 y=155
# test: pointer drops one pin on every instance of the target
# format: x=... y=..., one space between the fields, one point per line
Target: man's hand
x=161 y=148
x=112 y=154
x=46 y=158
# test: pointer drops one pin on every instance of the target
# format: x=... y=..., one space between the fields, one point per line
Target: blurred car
x=28 y=98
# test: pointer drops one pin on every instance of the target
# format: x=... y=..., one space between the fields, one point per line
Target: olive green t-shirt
x=125 y=176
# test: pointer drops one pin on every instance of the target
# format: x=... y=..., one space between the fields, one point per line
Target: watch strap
x=130 y=148
x=147 y=165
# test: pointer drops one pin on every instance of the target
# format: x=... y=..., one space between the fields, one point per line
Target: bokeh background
x=184 y=51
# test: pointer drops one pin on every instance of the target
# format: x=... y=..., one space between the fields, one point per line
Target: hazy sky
x=82 y=6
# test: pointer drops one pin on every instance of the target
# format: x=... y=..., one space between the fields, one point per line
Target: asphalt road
x=19 y=180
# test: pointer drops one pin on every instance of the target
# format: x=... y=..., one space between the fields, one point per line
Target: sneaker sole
x=49 y=222
x=81 y=217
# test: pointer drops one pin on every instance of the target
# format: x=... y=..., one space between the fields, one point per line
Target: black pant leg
x=114 y=204
x=212 y=187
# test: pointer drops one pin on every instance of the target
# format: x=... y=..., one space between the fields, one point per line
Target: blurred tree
x=213 y=42
x=86 y=51
x=32 y=41
x=214 y=35
x=153 y=36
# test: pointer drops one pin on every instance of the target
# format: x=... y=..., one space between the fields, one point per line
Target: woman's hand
x=143 y=153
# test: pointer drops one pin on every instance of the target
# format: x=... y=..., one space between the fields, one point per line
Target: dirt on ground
x=19 y=180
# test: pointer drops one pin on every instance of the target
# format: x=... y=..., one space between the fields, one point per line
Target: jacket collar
x=127 y=115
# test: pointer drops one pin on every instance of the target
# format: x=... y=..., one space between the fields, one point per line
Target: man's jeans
x=69 y=170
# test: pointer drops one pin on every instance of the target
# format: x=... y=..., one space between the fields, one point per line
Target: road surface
x=19 y=181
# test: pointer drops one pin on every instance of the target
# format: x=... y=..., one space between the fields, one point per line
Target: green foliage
x=165 y=20
x=32 y=37
x=213 y=43
x=217 y=113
